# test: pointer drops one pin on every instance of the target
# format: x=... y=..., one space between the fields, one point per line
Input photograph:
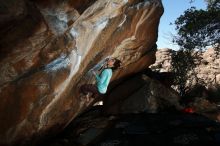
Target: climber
x=103 y=79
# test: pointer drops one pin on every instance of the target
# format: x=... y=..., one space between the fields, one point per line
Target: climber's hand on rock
x=93 y=72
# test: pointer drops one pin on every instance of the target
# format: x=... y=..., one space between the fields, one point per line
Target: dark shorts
x=85 y=89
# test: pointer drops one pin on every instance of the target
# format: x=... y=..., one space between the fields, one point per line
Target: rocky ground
x=164 y=128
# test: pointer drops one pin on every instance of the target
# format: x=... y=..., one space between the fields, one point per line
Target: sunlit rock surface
x=207 y=70
x=204 y=81
x=48 y=47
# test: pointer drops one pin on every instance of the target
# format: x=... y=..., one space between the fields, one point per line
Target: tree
x=196 y=29
x=212 y=3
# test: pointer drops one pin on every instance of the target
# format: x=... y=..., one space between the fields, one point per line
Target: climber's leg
x=89 y=88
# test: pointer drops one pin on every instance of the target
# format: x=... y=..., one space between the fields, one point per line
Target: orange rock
x=48 y=48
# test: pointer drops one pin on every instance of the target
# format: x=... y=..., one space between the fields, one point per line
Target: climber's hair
x=117 y=64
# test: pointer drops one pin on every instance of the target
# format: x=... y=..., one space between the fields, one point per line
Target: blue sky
x=172 y=10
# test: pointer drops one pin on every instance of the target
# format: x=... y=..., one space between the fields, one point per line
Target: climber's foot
x=87 y=97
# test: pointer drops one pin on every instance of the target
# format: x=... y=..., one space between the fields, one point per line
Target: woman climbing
x=103 y=79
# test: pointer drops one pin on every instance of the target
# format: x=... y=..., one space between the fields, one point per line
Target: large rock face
x=48 y=47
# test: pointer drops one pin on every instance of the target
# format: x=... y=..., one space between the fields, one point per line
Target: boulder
x=47 y=49
x=141 y=94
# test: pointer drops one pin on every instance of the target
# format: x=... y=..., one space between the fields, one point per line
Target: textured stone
x=147 y=96
x=48 y=47
x=207 y=70
x=202 y=96
x=139 y=129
